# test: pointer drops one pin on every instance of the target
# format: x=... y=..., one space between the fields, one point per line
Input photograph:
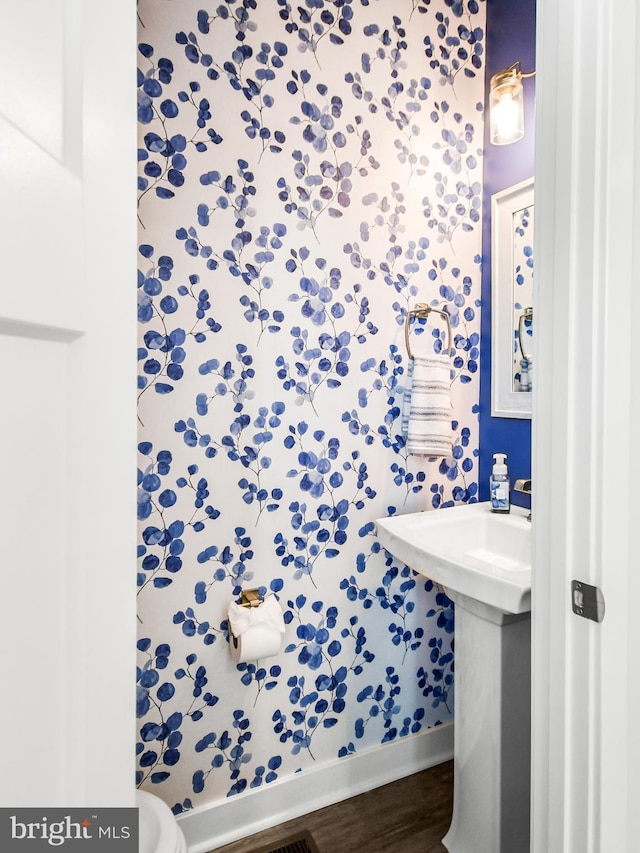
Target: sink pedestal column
x=492 y=745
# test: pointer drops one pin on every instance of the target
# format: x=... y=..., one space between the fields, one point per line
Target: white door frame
x=586 y=755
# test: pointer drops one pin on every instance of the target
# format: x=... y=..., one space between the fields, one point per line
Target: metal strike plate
x=587 y=601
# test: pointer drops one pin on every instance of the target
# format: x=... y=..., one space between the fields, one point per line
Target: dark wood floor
x=407 y=816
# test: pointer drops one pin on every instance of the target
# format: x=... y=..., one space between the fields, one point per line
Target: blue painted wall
x=510 y=36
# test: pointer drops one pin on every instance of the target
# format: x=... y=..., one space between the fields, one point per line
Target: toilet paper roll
x=257 y=642
x=255 y=632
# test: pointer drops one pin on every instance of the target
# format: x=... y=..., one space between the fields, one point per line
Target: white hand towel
x=429 y=432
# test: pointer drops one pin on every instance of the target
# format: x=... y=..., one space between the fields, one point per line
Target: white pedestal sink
x=483 y=559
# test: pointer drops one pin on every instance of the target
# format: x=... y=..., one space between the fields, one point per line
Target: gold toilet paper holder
x=250 y=598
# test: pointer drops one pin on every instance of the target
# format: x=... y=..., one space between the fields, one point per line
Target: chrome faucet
x=523 y=486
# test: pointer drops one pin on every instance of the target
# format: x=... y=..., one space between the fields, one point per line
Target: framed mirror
x=512 y=314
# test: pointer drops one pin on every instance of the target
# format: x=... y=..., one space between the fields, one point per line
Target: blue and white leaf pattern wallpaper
x=307 y=174
x=523 y=297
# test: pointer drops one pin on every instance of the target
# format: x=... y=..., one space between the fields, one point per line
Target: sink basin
x=469 y=550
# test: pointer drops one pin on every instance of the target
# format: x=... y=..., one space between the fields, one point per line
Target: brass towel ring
x=422 y=311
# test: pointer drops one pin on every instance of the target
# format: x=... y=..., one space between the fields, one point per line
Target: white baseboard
x=209 y=827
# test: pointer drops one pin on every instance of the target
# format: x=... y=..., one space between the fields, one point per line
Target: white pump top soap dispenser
x=499 y=484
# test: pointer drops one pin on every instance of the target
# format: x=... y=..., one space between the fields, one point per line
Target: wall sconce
x=506 y=105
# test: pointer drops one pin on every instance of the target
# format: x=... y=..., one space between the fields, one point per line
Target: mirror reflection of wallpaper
x=522 y=299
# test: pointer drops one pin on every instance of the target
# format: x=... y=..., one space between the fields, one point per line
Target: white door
x=67 y=409
x=586 y=683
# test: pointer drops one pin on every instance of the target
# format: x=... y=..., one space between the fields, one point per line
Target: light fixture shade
x=506 y=106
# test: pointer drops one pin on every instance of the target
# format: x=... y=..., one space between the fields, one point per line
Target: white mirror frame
x=505 y=402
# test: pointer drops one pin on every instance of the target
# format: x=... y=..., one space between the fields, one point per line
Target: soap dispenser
x=499 y=484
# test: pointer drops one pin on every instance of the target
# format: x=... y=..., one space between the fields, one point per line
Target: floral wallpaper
x=307 y=174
